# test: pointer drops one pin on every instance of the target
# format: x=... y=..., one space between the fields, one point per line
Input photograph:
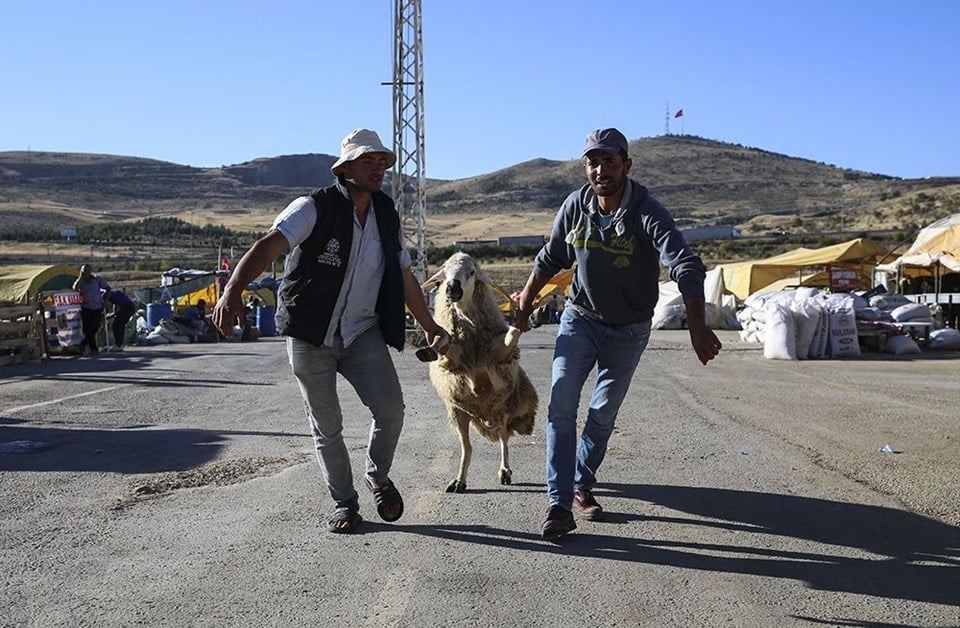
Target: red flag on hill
x=678 y=113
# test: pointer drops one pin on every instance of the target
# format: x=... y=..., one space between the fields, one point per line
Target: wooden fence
x=21 y=333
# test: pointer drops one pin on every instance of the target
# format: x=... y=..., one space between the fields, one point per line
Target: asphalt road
x=176 y=486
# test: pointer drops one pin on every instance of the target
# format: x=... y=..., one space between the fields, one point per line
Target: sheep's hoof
x=457 y=487
x=506 y=476
x=426 y=354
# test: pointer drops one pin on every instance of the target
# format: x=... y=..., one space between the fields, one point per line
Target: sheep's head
x=461 y=275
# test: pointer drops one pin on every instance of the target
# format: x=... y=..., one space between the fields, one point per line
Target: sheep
x=479 y=377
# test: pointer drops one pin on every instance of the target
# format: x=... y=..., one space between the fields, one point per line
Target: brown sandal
x=386 y=497
x=344 y=521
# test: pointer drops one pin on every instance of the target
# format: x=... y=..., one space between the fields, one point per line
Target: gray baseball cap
x=608 y=140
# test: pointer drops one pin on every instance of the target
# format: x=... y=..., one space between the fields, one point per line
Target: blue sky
x=872 y=85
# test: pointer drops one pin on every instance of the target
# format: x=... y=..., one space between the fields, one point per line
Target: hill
x=701 y=181
x=708 y=182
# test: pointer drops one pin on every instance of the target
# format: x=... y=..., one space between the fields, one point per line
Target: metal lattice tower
x=409 y=180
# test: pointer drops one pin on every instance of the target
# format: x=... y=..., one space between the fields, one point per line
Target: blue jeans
x=583 y=343
x=367 y=366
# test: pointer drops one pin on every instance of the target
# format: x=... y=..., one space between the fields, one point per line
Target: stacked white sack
x=802 y=324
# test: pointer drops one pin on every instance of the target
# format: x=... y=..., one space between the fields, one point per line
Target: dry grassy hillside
x=701 y=181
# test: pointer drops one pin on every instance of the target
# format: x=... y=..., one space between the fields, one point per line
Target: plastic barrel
x=158 y=311
x=266 y=320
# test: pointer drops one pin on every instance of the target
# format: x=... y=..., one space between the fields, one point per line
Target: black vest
x=315 y=270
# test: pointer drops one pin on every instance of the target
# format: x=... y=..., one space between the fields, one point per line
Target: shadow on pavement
x=917 y=558
x=129 y=450
x=105 y=368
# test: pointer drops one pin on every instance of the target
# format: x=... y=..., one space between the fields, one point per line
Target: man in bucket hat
x=617 y=234
x=340 y=303
x=362 y=142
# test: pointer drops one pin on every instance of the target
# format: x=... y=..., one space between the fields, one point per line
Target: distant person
x=194 y=318
x=207 y=332
x=341 y=302
x=142 y=326
x=617 y=235
x=250 y=314
x=92 y=289
x=123 y=311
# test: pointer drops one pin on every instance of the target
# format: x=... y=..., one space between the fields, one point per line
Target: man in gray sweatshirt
x=617 y=235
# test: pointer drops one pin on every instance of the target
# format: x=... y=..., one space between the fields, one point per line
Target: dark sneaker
x=559 y=521
x=587 y=507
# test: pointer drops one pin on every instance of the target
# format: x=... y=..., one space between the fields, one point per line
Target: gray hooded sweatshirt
x=616 y=280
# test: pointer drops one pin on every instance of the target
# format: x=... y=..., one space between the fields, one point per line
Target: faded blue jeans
x=367 y=366
x=582 y=344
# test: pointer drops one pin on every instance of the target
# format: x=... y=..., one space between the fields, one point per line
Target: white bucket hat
x=361 y=142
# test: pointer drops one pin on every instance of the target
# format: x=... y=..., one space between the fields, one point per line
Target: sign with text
x=69 y=326
x=843 y=278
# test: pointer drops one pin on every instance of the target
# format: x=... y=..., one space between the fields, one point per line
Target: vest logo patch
x=331 y=257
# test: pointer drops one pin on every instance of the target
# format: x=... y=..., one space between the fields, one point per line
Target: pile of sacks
x=890 y=306
x=801 y=324
x=900 y=309
x=808 y=323
x=167 y=332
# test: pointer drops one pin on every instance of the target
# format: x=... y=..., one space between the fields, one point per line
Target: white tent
x=670 y=312
x=937 y=245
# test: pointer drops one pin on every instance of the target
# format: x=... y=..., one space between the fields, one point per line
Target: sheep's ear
x=433 y=282
x=485 y=277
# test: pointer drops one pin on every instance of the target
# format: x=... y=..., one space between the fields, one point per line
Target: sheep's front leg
x=505 y=474
x=462 y=421
x=511 y=338
x=502 y=344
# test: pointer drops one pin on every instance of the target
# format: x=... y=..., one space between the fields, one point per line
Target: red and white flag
x=678 y=114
